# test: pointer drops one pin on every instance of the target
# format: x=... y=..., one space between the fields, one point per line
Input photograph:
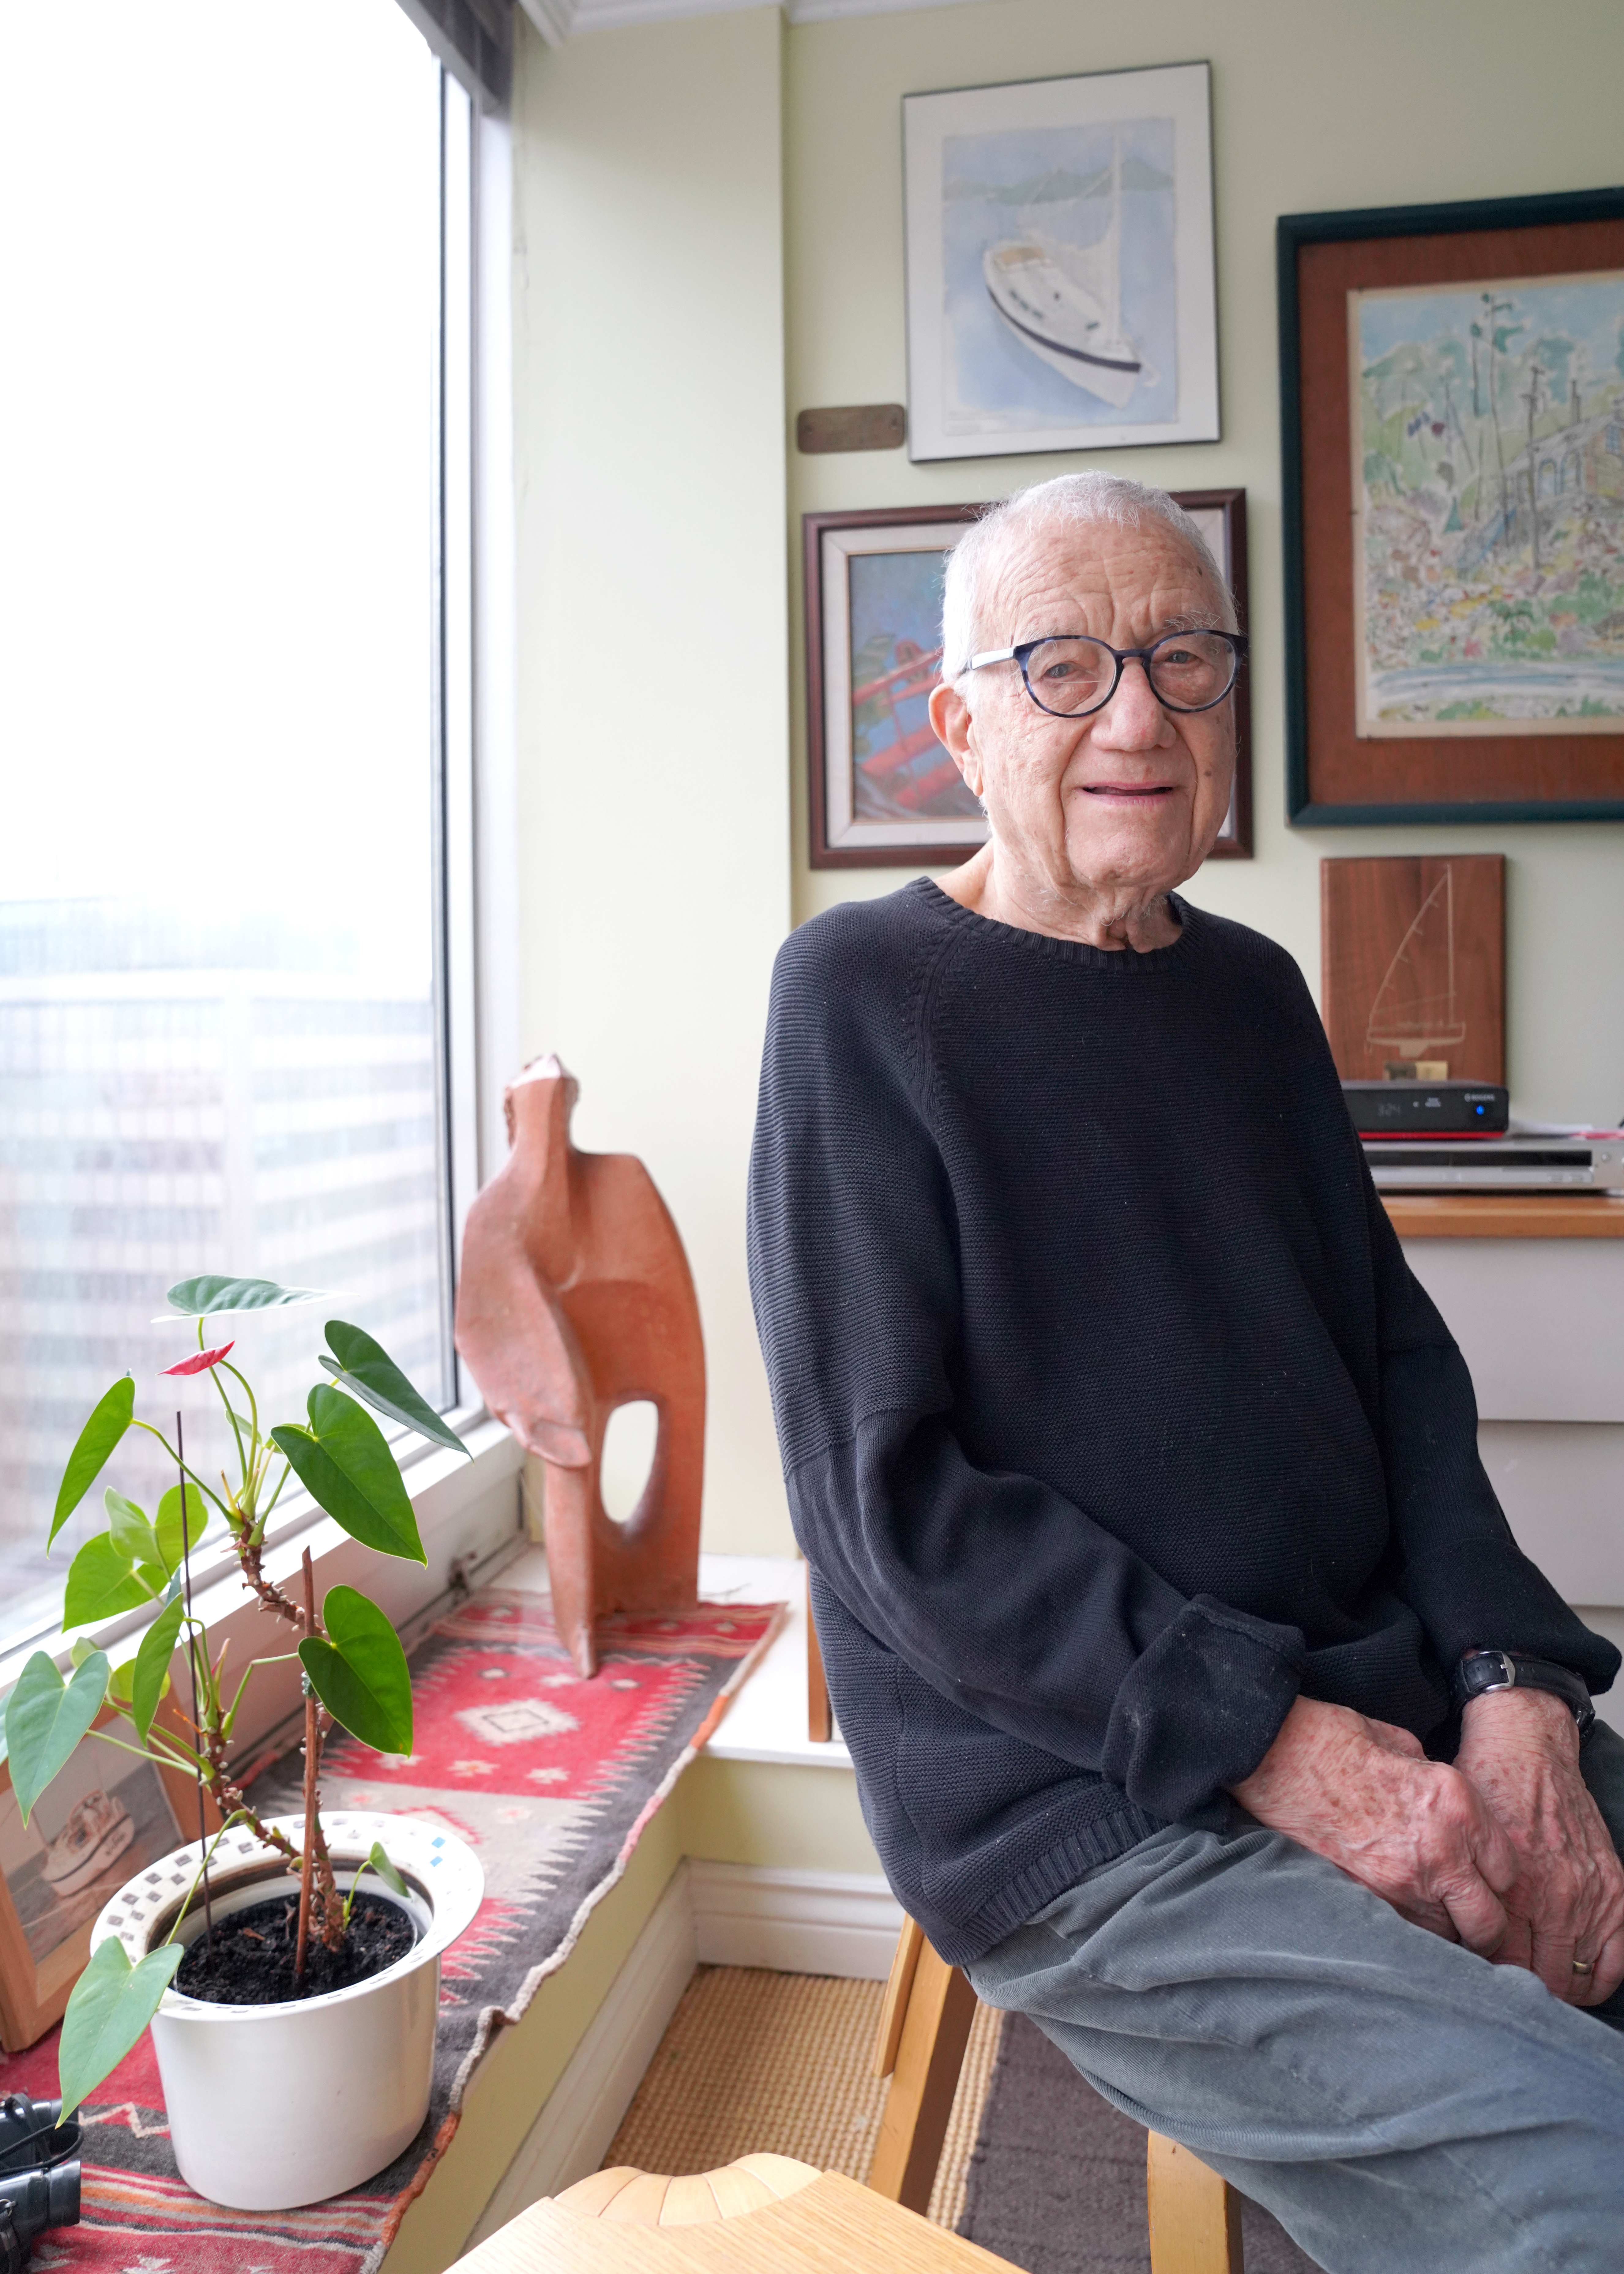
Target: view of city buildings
x=178 y=1096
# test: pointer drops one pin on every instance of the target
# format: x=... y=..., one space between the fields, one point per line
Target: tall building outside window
x=229 y=587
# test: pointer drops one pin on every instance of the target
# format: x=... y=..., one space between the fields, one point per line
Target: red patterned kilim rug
x=551 y=1779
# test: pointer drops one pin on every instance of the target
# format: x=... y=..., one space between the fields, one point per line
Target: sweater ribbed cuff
x=1200 y=1708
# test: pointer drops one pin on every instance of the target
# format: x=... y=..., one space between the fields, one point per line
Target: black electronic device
x=1422 y=1109
x=33 y=2134
x=31 y=2204
x=39 y=2176
x=1521 y=1162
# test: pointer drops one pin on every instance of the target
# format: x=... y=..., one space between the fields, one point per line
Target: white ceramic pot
x=271 y=2106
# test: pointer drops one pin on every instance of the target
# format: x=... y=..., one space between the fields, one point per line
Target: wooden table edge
x=1505 y=1215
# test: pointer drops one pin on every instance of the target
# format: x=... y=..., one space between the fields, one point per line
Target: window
x=237 y=563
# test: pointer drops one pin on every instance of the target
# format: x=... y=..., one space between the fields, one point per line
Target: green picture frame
x=1427 y=767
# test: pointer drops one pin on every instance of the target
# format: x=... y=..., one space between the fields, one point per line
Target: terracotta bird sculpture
x=576 y=1298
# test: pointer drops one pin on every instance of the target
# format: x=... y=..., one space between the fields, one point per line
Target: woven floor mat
x=782 y=2063
x=1057 y=2181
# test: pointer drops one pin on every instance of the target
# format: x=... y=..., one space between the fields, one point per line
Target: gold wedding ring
x=1585 y=1966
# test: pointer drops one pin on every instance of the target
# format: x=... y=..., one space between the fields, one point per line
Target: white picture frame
x=1060 y=282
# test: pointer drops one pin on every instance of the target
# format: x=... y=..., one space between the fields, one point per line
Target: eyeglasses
x=1070 y=677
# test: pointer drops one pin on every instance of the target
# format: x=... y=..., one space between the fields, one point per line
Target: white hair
x=1069 y=501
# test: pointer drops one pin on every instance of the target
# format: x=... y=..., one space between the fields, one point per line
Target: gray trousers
x=1396 y=2102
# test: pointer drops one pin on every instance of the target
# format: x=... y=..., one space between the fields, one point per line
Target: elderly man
x=1163 y=1594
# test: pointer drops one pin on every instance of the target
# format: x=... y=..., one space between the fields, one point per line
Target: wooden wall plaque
x=1414 y=963
x=852 y=426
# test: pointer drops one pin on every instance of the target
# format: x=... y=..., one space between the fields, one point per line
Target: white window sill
x=469 y=1518
x=767 y=1720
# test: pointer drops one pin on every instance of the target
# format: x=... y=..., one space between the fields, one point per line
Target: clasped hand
x=1505 y=1851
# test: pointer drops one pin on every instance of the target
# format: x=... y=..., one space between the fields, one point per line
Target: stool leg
x=1195 y=2216
x=820 y=1714
x=929 y=2056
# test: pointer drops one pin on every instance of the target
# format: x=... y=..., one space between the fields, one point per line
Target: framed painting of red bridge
x=883 y=793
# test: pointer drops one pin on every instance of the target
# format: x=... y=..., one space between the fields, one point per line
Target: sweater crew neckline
x=1120 y=962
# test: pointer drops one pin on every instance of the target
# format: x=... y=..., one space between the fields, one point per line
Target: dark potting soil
x=249 y=1959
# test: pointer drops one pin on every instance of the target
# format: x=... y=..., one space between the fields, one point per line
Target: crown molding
x=558 y=20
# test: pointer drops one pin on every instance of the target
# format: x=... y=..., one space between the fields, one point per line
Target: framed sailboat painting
x=1060 y=279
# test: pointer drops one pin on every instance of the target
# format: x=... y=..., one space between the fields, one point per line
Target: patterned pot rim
x=443 y=1869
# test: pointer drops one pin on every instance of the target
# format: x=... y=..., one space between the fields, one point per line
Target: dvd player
x=1426 y=1109
x=1590 y=1162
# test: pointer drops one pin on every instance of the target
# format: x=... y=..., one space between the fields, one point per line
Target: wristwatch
x=1479 y=1671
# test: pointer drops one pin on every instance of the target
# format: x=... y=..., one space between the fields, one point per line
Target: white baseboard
x=582 y=2113
x=841 y=1923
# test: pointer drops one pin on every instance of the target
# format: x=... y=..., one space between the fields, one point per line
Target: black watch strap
x=1480 y=1671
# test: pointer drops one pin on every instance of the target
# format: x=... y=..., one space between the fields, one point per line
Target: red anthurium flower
x=201 y=1360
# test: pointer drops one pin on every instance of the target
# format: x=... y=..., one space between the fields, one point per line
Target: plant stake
x=197 y=1716
x=312 y=1756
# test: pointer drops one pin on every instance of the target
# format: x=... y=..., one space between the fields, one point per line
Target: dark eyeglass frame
x=1237 y=643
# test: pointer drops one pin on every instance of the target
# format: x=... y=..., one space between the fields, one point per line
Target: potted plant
x=286 y=1963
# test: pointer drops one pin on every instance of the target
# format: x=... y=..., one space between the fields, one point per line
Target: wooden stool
x=1195 y=2216
x=763 y=2215
x=1195 y=2221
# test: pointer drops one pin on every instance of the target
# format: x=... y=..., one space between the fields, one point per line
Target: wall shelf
x=1505 y=1216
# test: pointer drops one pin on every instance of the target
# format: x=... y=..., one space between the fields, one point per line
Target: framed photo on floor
x=1452 y=401
x=883 y=793
x=105 y=1817
x=1061 y=292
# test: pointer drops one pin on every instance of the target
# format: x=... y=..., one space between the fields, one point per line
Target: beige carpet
x=782 y=2062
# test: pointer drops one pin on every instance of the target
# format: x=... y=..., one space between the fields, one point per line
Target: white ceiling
x=558 y=20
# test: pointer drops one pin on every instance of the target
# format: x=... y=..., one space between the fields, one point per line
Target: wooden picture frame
x=1454 y=573
x=45 y=1929
x=948 y=826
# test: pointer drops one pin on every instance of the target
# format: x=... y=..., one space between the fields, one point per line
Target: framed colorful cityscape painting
x=1060 y=279
x=883 y=793
x=1452 y=419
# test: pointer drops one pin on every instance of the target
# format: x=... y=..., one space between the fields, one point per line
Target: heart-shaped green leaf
x=96 y=1441
x=171 y=1547
x=367 y=1369
x=379 y=1862
x=131 y=1533
x=359 y=1672
x=212 y=1297
x=112 y=2003
x=344 y=1465
x=46 y=1718
x=102 y=1582
x=152 y=1666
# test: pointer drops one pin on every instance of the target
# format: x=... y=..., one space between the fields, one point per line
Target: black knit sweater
x=1111 y=1414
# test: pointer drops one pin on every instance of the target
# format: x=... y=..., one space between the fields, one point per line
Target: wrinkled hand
x=1520 y=1748
x=1363 y=1794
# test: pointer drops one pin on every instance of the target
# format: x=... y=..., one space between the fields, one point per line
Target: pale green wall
x=804 y=1819
x=710 y=239
x=652 y=625
x=1373 y=102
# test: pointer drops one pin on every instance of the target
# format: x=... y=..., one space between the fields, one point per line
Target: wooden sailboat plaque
x=1413 y=964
